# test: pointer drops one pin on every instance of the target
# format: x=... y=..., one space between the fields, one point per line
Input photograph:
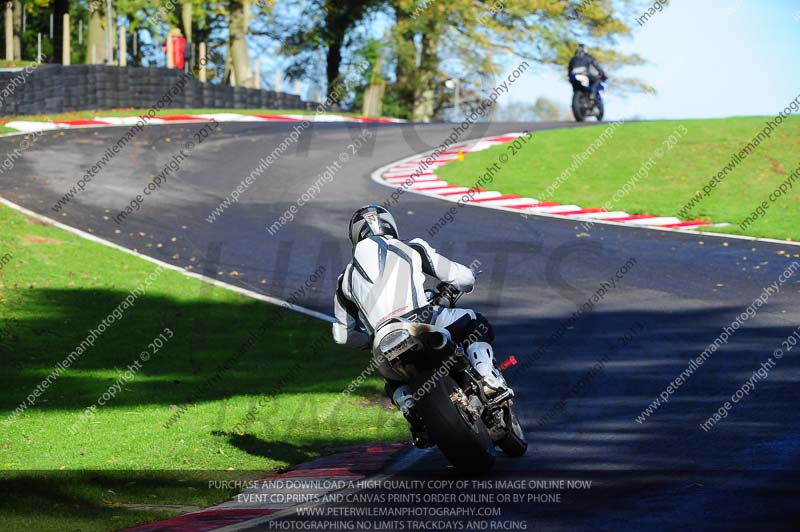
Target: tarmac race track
x=671 y=296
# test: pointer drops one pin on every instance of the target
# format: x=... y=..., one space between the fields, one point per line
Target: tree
x=417 y=42
x=543 y=110
x=546 y=110
x=322 y=28
x=210 y=22
x=370 y=57
x=37 y=15
x=515 y=112
x=477 y=36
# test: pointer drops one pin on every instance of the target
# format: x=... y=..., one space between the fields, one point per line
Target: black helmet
x=581 y=49
x=371 y=220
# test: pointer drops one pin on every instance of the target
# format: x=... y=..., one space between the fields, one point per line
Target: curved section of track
x=676 y=292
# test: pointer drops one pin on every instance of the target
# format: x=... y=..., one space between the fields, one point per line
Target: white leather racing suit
x=385 y=280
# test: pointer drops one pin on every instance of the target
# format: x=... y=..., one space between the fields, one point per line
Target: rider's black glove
x=446 y=289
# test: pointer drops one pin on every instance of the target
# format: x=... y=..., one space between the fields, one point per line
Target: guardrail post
x=65 y=42
x=203 y=76
x=9 y=31
x=123 y=47
x=170 y=51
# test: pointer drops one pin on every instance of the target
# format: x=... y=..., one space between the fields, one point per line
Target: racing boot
x=481 y=357
x=404 y=401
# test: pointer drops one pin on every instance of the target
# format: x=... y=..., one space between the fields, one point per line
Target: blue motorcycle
x=587 y=99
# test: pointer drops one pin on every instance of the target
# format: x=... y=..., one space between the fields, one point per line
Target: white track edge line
x=376 y=177
x=242 y=291
x=166 y=123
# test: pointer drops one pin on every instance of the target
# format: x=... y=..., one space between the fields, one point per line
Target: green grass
x=14 y=64
x=55 y=287
x=672 y=182
x=89 y=115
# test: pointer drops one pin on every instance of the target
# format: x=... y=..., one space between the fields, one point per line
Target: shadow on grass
x=108 y=500
x=256 y=446
x=95 y=501
x=219 y=350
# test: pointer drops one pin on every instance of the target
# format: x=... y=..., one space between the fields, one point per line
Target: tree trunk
x=228 y=71
x=136 y=54
x=238 y=42
x=17 y=30
x=60 y=8
x=337 y=23
x=334 y=62
x=97 y=34
x=406 y=66
x=426 y=73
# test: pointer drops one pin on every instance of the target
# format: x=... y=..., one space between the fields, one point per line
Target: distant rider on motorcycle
x=584 y=63
x=385 y=281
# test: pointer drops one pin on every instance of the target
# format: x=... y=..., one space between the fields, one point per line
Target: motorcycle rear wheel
x=466 y=444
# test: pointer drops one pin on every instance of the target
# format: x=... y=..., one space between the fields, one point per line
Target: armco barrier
x=54 y=89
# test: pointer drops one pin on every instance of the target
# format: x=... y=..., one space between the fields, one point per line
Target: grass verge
x=14 y=64
x=671 y=182
x=61 y=469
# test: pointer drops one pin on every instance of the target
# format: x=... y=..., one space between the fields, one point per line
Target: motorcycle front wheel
x=514 y=443
x=579 y=106
x=466 y=443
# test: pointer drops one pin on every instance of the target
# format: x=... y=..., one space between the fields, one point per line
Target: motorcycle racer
x=584 y=63
x=384 y=281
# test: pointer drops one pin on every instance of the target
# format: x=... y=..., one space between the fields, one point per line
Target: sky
x=706 y=59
